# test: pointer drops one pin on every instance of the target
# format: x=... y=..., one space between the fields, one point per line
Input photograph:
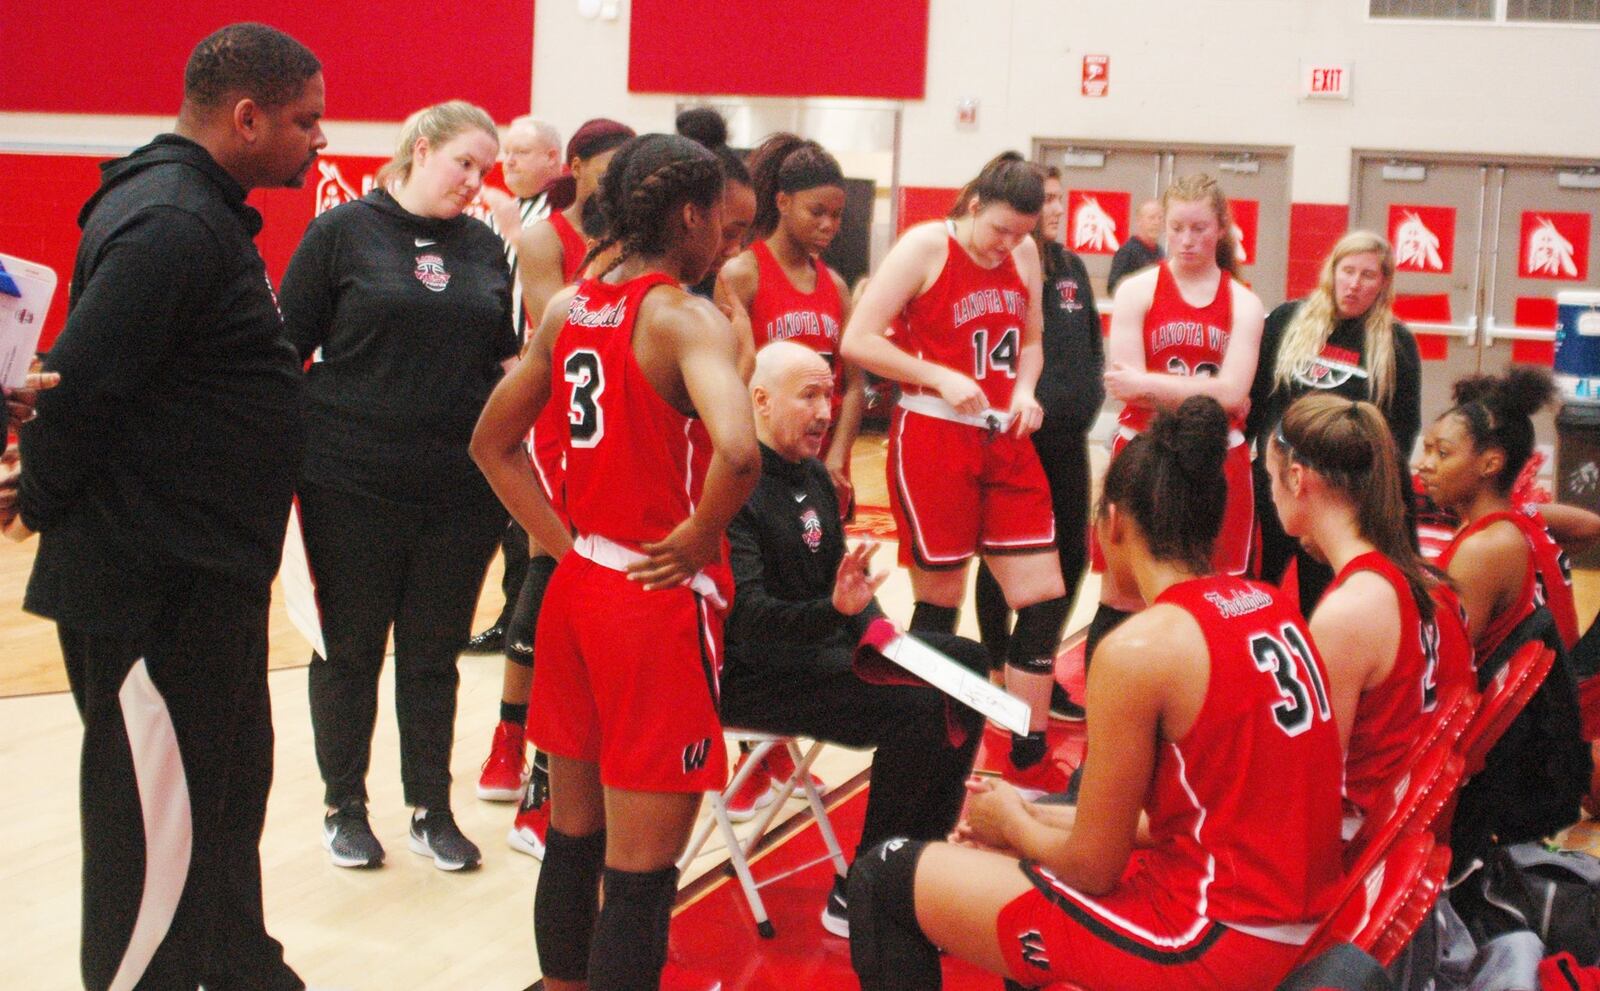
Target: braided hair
x=788 y=163
x=649 y=178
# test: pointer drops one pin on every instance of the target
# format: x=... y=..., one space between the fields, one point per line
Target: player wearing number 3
x=1209 y=712
x=1186 y=327
x=629 y=637
x=963 y=477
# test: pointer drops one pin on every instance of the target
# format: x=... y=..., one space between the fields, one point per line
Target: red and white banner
x=1097 y=220
x=1424 y=238
x=1554 y=246
x=1246 y=221
x=1096 y=75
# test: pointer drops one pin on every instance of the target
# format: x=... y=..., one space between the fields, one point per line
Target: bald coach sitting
x=802 y=602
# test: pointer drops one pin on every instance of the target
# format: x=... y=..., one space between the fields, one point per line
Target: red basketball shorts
x=1234 y=552
x=956 y=490
x=628 y=679
x=1128 y=941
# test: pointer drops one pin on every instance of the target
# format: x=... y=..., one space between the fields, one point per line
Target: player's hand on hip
x=962 y=392
x=855 y=584
x=676 y=559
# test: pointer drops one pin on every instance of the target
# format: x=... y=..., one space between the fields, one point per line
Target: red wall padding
x=864 y=48
x=382 y=60
x=1314 y=228
x=919 y=203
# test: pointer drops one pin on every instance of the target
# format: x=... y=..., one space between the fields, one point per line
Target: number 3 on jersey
x=585 y=419
x=1285 y=656
x=1001 y=357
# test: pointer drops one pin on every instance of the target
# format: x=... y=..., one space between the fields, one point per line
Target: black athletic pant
x=419 y=569
x=177 y=762
x=918 y=779
x=1065 y=460
x=514 y=548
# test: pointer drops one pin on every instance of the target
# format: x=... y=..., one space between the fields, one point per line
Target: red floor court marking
x=713 y=944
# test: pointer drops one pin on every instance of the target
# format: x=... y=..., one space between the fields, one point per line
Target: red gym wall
x=799 y=48
x=382 y=60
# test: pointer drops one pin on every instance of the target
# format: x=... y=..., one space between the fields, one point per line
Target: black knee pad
x=1106 y=619
x=1037 y=635
x=525 y=617
x=630 y=943
x=565 y=903
x=929 y=618
x=887 y=947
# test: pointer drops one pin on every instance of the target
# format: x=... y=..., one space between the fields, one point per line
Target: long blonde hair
x=439 y=124
x=1313 y=322
x=1202 y=188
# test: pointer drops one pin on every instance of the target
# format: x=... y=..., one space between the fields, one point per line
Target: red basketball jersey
x=632 y=470
x=573 y=246
x=1547 y=581
x=1180 y=339
x=971 y=320
x=781 y=312
x=1432 y=657
x=1245 y=809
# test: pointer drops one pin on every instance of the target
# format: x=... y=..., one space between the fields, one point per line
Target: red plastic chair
x=1503 y=701
x=1407 y=893
x=1377 y=897
x=1420 y=799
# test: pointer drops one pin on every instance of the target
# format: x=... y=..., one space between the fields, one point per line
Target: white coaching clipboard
x=958 y=682
x=26 y=289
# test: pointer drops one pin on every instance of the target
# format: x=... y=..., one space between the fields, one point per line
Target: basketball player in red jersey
x=964 y=298
x=1503 y=561
x=1391 y=633
x=786 y=287
x=1186 y=327
x=1208 y=712
x=625 y=693
x=550 y=255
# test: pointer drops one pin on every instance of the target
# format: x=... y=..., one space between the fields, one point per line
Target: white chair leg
x=741 y=868
x=818 y=810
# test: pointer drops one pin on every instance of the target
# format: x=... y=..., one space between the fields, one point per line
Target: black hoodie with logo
x=171 y=445
x=413 y=317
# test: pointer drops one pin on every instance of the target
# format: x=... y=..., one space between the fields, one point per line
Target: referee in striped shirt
x=530 y=159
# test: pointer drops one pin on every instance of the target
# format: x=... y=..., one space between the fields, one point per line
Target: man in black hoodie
x=158 y=475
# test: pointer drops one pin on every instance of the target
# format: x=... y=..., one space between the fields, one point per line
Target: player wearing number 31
x=1209 y=713
x=963 y=478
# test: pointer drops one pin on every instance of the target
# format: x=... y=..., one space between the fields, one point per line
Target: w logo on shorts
x=1033 y=949
x=694 y=756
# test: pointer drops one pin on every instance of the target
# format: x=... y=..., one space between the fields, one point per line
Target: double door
x=1482 y=245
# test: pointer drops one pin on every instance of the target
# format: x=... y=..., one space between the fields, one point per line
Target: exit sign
x=1325 y=80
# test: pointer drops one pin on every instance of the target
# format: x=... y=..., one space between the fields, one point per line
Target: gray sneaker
x=435 y=834
x=348 y=839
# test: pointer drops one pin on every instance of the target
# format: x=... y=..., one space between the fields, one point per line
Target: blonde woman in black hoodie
x=407 y=301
